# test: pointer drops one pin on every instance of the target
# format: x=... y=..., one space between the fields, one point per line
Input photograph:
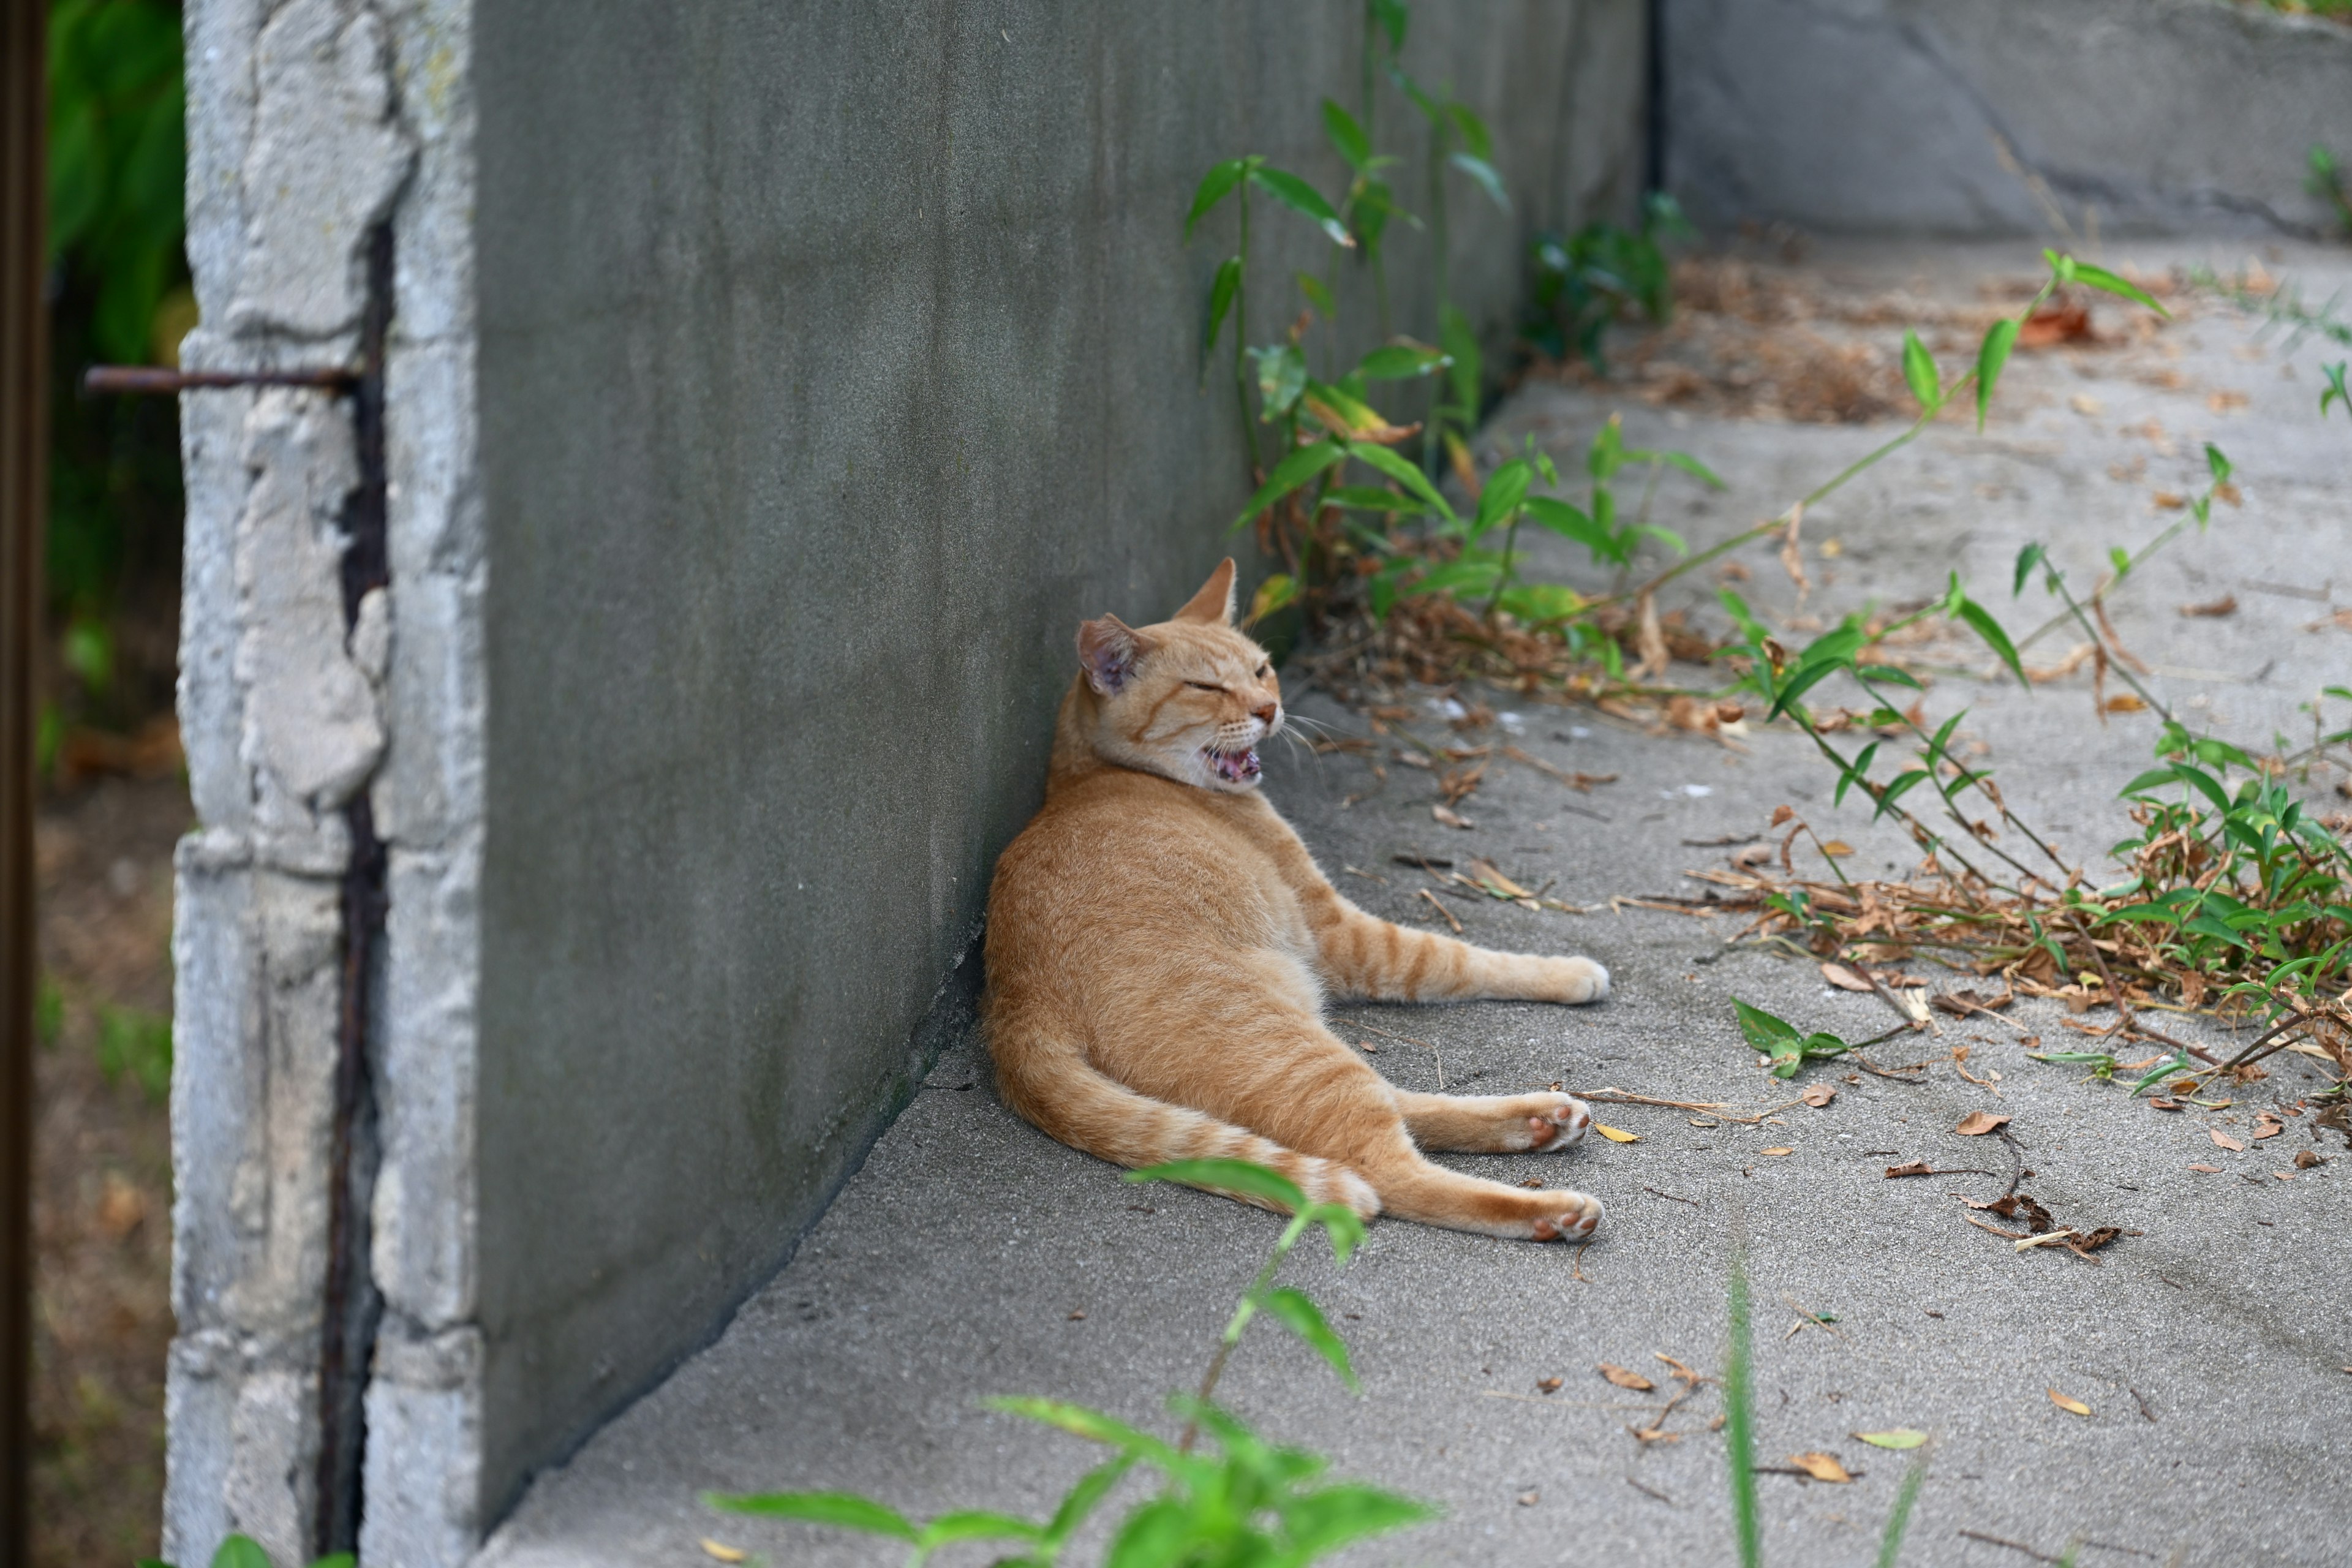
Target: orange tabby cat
x=1160 y=944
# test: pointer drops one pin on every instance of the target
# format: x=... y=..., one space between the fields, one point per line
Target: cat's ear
x=1108 y=649
x=1214 y=602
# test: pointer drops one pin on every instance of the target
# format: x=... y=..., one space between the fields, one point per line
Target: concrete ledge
x=2165 y=116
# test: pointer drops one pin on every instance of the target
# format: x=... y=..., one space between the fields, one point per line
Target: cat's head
x=1188 y=699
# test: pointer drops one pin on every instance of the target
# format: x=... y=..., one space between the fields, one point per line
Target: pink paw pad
x=1560 y=1126
x=1573 y=1227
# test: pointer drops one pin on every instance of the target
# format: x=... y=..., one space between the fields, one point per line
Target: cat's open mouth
x=1234 y=767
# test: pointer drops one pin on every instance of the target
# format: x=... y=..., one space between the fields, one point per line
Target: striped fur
x=1160 y=943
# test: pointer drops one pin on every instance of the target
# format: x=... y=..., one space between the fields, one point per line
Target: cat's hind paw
x=1575 y=1217
x=1574 y=981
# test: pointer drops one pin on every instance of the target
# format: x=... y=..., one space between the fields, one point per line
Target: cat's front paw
x=1574 y=981
x=1572 y=1217
x=1556 y=1120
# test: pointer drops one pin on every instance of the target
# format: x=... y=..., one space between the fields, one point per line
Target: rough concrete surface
x=2211 y=1347
x=1894 y=116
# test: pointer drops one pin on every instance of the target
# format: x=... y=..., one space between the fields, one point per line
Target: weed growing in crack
x=1251 y=1502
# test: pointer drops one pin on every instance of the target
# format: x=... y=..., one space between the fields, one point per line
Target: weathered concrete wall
x=831 y=371
x=2167 y=116
x=312 y=123
x=823 y=364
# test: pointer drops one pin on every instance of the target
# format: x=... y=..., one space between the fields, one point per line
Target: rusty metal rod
x=143 y=378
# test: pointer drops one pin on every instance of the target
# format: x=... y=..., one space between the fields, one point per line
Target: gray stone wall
x=823 y=365
x=2166 y=116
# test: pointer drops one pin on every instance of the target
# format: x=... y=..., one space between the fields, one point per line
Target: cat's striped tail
x=1055 y=1088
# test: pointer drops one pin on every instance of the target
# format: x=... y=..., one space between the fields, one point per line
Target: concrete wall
x=2167 y=116
x=831 y=371
x=770 y=390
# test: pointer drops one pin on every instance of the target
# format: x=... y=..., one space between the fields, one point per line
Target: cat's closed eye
x=1204 y=686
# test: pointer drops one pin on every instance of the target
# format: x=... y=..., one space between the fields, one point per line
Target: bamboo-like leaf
x=1504 y=488
x=1227 y=1175
x=240 y=1551
x=1999 y=339
x=1472 y=129
x=1402 y=361
x=1328 y=1518
x=1289 y=474
x=1406 y=474
x=1346 y=135
x=2073 y=271
x=1489 y=180
x=1318 y=295
x=976 y=1524
x=1215 y=186
x=1985 y=627
x=845 y=1510
x=2027 y=559
x=1302 y=1317
x=1343 y=1226
x=1281 y=377
x=1692 y=467
x=1304 y=199
x=1221 y=300
x=1277 y=591
x=1919 y=371
x=1083 y=1498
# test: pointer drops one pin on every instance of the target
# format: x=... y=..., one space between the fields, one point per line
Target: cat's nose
x=1266 y=713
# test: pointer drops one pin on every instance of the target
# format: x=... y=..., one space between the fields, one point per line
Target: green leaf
x=1762 y=1030
x=1893 y=674
x=339 y=1560
x=1403 y=473
x=1692 y=467
x=2090 y=277
x=1467 y=372
x=1472 y=129
x=1278 y=592
x=976 y=1524
x=1228 y=1175
x=846 y=1510
x=1221 y=300
x=1985 y=627
x=1478 y=576
x=2218 y=464
x=1401 y=362
x=1083 y=1498
x=1343 y=1226
x=1504 y=488
x=1901 y=784
x=1919 y=373
x=2027 y=559
x=241 y=1551
x=1490 y=181
x=1281 y=377
x=1328 y=1518
x=1097 y=1427
x=1346 y=135
x=1289 y=474
x=1559 y=517
x=1999 y=339
x=1303 y=199
x=1215 y=186
x=1302 y=1317
x=2120 y=559
x=1153 y=1536
x=1391 y=16
x=1318 y=295
x=1858 y=772
x=1366 y=498
x=1899 y=1439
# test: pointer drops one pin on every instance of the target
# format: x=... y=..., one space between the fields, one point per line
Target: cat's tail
x=1054 y=1087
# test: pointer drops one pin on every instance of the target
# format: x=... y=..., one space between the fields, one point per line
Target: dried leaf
x=1450 y=817
x=2224 y=1139
x=1615 y=1135
x=1837 y=847
x=1792 y=561
x=1820 y=1094
x=1899 y=1438
x=2305 y=1160
x=2268 y=1129
x=1626 y=1377
x=1915 y=1168
x=1650 y=640
x=1781 y=813
x=1844 y=979
x=2075 y=1406
x=1977 y=1124
x=723 y=1554
x=1485 y=871
x=1550 y=1385
x=2124 y=702
x=2208 y=1170
x=1821 y=1467
x=2227 y=604
x=1778 y=1151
